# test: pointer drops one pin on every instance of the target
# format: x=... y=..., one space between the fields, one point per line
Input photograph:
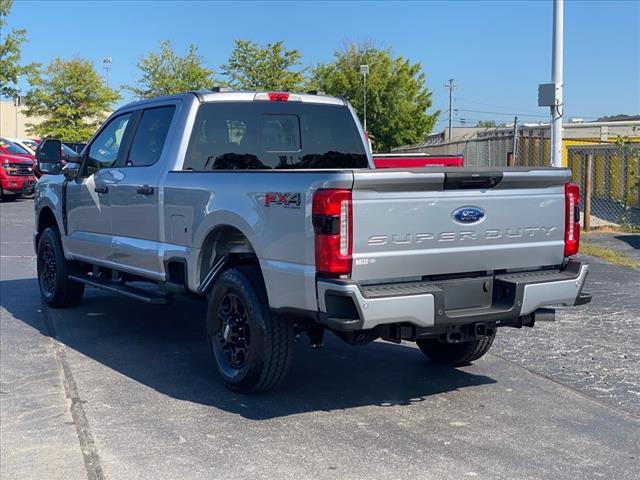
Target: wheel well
x=46 y=219
x=226 y=241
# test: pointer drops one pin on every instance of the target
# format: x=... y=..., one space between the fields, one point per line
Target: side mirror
x=71 y=169
x=49 y=157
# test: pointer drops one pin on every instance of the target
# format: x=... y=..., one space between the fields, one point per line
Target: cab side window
x=150 y=136
x=105 y=149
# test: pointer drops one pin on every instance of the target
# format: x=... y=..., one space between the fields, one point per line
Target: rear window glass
x=267 y=135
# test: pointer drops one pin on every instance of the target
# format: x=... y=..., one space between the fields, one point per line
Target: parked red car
x=8 y=147
x=16 y=176
x=416 y=160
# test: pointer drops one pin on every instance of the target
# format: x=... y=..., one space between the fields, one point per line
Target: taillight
x=278 y=96
x=571 y=219
x=332 y=224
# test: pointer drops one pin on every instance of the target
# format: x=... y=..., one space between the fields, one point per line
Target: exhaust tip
x=544 y=315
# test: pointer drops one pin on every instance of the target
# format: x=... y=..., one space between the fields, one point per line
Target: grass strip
x=608 y=255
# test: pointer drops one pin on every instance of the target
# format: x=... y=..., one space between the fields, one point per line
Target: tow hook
x=481 y=329
x=316 y=336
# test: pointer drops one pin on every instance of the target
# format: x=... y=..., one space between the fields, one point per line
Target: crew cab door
x=88 y=203
x=135 y=197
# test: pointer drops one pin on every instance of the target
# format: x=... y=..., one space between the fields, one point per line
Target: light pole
x=17 y=102
x=364 y=70
x=556 y=79
x=106 y=62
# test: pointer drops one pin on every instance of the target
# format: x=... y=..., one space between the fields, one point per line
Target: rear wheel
x=456 y=354
x=7 y=198
x=252 y=348
x=53 y=272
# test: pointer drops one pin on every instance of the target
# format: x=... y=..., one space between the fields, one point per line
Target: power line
x=502 y=107
x=510 y=114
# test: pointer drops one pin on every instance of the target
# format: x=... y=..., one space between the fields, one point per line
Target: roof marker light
x=278 y=97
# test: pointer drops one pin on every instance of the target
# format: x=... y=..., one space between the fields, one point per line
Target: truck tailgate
x=416 y=223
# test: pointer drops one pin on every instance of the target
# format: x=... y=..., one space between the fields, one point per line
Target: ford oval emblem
x=468 y=214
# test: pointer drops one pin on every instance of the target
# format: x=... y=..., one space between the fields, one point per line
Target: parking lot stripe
x=87 y=445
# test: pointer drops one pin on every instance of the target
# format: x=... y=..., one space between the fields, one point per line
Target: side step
x=146 y=296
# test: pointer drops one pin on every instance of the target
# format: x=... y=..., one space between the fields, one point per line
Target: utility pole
x=557 y=79
x=17 y=102
x=515 y=139
x=106 y=62
x=450 y=86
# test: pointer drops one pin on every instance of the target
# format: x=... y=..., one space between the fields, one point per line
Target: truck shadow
x=163 y=347
x=632 y=240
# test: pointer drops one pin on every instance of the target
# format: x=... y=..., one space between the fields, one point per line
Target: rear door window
x=150 y=136
x=270 y=135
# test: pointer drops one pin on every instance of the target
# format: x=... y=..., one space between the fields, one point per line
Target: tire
x=53 y=272
x=252 y=347
x=456 y=354
x=7 y=198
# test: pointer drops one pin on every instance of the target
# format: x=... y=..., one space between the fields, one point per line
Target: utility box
x=548 y=94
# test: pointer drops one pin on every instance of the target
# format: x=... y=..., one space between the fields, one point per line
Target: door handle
x=145 y=190
x=101 y=189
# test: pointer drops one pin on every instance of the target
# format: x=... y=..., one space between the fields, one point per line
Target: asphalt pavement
x=117 y=389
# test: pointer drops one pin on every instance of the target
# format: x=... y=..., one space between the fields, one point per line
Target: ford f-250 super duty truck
x=268 y=205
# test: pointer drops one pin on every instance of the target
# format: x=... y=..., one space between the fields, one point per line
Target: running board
x=146 y=296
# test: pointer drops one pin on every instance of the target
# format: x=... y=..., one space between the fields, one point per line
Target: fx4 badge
x=282 y=199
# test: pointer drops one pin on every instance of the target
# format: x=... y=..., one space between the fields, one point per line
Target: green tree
x=71 y=98
x=397 y=98
x=165 y=73
x=270 y=67
x=486 y=124
x=10 y=54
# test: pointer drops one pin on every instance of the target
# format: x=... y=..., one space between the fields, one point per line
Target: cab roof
x=223 y=95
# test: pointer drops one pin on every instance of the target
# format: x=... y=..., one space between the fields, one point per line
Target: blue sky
x=497 y=52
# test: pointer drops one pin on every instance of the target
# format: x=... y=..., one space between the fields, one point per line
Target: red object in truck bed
x=416 y=160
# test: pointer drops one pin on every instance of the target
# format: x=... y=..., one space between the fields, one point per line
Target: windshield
x=13 y=148
x=274 y=135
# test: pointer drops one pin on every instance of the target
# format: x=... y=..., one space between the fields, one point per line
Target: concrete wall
x=8 y=120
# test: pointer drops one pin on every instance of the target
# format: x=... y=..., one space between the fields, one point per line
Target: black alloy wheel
x=233 y=339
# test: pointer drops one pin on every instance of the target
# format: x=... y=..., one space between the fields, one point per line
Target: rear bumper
x=504 y=299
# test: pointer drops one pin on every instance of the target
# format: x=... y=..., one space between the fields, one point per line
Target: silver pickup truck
x=268 y=206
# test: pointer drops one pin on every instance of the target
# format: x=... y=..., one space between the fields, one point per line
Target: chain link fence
x=476 y=152
x=533 y=152
x=607 y=173
x=609 y=182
